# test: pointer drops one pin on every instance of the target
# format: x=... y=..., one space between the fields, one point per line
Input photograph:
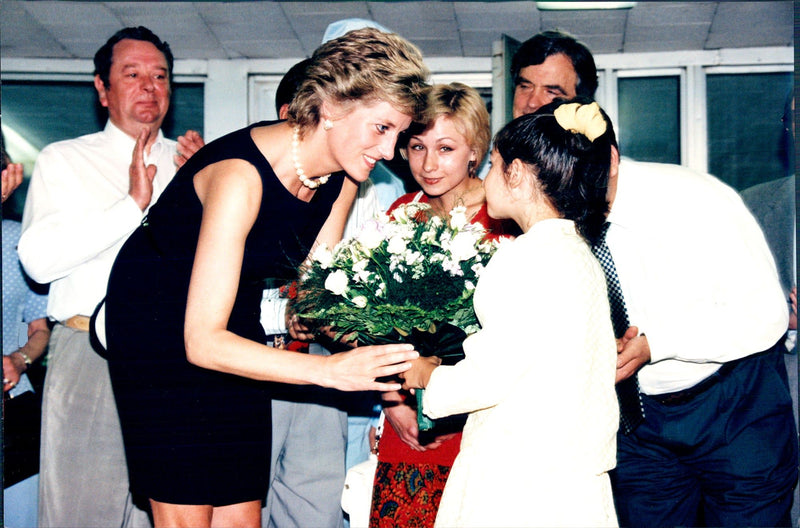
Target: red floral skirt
x=407 y=495
x=409 y=484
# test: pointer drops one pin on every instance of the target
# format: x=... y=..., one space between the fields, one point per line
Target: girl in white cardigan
x=538 y=378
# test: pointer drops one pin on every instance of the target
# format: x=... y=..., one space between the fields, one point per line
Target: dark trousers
x=726 y=457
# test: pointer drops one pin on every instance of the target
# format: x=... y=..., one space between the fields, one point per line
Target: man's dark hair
x=536 y=49
x=103 y=57
x=290 y=83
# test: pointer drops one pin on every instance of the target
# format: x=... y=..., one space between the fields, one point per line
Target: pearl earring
x=327 y=124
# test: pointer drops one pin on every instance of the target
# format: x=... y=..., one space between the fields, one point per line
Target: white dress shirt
x=78 y=213
x=696 y=272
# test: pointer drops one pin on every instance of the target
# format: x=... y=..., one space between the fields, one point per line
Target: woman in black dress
x=186 y=353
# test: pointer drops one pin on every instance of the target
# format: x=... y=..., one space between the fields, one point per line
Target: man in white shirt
x=86 y=197
x=717 y=446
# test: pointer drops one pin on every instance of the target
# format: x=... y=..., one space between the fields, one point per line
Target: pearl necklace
x=298 y=169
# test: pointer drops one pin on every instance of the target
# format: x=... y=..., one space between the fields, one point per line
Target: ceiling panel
x=271 y=29
x=742 y=24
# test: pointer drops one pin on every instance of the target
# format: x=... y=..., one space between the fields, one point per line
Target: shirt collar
x=123 y=143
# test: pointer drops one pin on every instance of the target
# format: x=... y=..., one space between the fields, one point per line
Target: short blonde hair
x=366 y=65
x=466 y=107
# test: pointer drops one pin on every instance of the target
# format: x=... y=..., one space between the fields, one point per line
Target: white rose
x=360 y=301
x=336 y=282
x=397 y=245
x=371 y=234
x=458 y=217
x=400 y=214
x=462 y=247
x=323 y=255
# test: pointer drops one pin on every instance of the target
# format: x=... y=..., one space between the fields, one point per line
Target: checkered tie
x=630 y=400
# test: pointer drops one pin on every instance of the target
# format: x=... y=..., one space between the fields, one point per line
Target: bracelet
x=25 y=357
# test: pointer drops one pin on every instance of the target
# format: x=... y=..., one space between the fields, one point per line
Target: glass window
x=43 y=112
x=649 y=118
x=746 y=141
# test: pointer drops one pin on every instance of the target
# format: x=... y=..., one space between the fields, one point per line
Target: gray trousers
x=309 y=437
x=83 y=477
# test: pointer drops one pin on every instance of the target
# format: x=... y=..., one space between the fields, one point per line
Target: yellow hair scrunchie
x=581 y=119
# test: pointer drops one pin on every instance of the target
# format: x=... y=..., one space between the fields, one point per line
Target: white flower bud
x=360 y=301
x=336 y=282
x=458 y=217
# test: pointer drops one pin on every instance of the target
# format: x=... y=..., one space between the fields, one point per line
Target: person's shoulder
x=772 y=190
x=87 y=140
x=667 y=179
x=628 y=166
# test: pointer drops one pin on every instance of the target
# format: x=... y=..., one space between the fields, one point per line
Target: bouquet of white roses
x=397 y=274
x=405 y=278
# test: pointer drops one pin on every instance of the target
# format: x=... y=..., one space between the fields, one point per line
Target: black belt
x=687 y=395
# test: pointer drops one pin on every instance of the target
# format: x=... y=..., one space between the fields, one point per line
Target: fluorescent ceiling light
x=567 y=5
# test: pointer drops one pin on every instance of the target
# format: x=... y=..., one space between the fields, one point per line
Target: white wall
x=238 y=92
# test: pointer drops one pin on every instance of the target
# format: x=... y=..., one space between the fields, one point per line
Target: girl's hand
x=419 y=374
x=358 y=369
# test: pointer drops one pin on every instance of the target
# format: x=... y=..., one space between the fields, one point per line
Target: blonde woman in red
x=444 y=152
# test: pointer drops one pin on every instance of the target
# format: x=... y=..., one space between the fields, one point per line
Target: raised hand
x=12 y=178
x=141 y=177
x=188 y=145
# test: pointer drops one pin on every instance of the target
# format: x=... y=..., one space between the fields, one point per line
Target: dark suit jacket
x=773 y=205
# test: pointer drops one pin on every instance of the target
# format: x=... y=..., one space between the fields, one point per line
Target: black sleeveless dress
x=192 y=435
